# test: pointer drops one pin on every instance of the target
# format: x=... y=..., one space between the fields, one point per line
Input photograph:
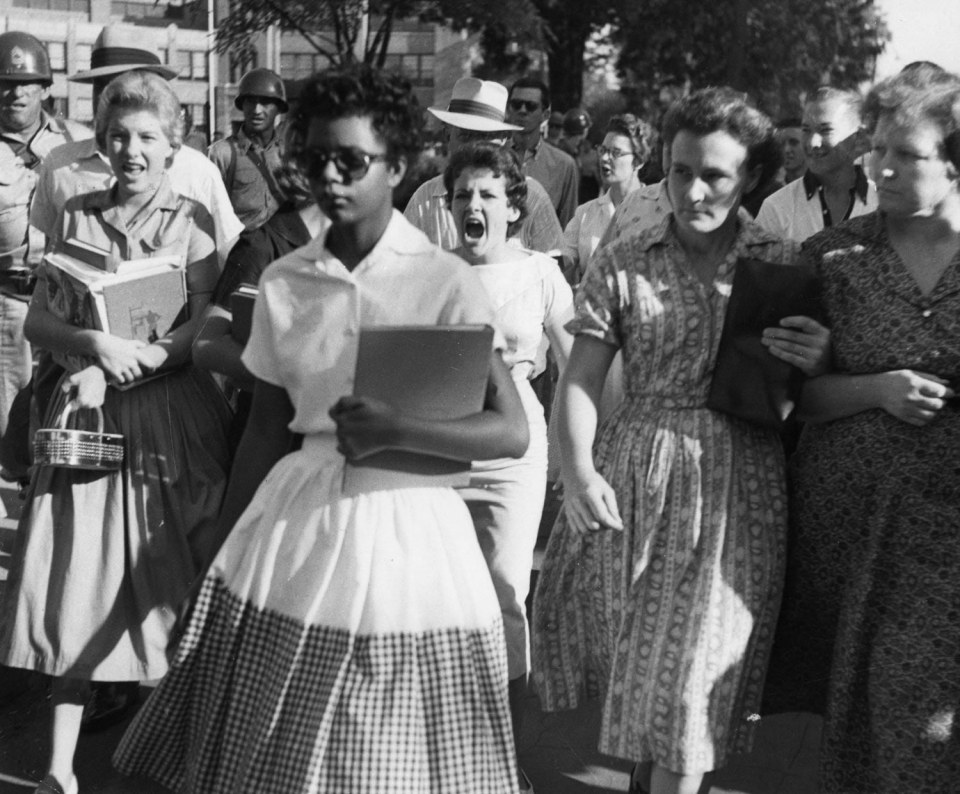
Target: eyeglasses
x=603 y=151
x=352 y=163
x=527 y=105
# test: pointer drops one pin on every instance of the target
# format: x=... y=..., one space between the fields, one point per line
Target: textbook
x=748 y=380
x=430 y=372
x=140 y=299
x=241 y=311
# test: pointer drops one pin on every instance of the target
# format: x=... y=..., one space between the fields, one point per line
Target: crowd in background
x=704 y=568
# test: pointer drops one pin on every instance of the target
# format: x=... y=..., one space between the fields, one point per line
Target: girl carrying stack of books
x=104 y=559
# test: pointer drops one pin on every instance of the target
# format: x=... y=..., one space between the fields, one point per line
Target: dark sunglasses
x=521 y=104
x=352 y=163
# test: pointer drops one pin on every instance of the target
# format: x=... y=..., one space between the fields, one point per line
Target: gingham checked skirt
x=338 y=645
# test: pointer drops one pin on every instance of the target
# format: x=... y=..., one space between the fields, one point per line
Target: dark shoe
x=636 y=787
x=526 y=787
x=50 y=785
x=109 y=704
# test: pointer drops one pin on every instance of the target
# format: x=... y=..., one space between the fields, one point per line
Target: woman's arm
x=558 y=312
x=215 y=348
x=266 y=439
x=589 y=501
x=913 y=397
x=500 y=430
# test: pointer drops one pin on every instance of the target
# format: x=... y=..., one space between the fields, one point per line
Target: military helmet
x=24 y=59
x=262 y=83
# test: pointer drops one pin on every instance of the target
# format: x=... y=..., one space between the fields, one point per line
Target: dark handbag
x=748 y=381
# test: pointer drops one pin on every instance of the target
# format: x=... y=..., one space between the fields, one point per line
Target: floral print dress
x=670 y=620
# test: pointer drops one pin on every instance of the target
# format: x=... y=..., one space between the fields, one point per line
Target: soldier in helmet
x=250 y=159
x=27 y=135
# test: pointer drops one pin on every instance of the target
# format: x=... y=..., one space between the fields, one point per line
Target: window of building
x=57 y=52
x=82 y=6
x=198 y=65
x=82 y=110
x=81 y=55
x=195 y=116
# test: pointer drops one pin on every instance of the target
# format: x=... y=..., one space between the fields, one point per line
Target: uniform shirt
x=557 y=172
x=79 y=167
x=248 y=171
x=310 y=309
x=18 y=179
x=428 y=211
x=796 y=211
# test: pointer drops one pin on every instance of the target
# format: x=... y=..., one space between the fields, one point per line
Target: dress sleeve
x=259 y=355
x=599 y=299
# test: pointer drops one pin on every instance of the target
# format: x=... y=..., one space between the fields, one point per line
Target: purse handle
x=72 y=406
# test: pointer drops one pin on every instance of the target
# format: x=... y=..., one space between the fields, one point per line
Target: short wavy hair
x=140 y=90
x=643 y=138
x=500 y=162
x=722 y=109
x=914 y=97
x=385 y=98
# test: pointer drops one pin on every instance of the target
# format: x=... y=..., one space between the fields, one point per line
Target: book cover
x=241 y=311
x=432 y=372
x=142 y=299
x=748 y=380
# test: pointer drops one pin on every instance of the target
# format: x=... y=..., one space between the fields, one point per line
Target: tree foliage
x=777 y=50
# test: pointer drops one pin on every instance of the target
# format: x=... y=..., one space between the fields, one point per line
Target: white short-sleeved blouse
x=310 y=310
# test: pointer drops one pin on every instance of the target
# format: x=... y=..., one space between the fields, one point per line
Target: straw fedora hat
x=479 y=105
x=115 y=51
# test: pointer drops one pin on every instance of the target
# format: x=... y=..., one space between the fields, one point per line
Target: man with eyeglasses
x=27 y=135
x=476 y=113
x=529 y=107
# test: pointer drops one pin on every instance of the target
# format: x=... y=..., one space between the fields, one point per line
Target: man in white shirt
x=834 y=187
x=476 y=113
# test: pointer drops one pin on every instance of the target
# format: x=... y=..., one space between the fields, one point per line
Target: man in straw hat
x=250 y=160
x=476 y=113
x=27 y=136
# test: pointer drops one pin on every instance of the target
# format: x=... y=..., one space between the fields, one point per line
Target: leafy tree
x=777 y=50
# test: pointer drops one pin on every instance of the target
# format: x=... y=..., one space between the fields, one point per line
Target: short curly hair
x=643 y=138
x=500 y=162
x=139 y=90
x=913 y=97
x=385 y=98
x=722 y=109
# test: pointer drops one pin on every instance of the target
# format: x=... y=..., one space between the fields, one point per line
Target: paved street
x=558 y=749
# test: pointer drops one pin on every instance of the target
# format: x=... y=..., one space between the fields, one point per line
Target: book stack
x=241 y=312
x=140 y=299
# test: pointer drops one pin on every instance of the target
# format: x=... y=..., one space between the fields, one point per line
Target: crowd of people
x=704 y=569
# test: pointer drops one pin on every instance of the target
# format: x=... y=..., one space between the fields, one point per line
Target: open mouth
x=473 y=229
x=133 y=169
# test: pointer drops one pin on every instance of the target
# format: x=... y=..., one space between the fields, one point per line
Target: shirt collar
x=166 y=198
x=812 y=183
x=244 y=142
x=399 y=238
x=748 y=233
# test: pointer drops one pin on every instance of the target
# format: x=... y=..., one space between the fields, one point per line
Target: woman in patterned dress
x=876 y=476
x=344 y=644
x=486 y=191
x=662 y=576
x=104 y=559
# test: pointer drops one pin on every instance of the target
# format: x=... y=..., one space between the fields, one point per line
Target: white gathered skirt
x=338 y=645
